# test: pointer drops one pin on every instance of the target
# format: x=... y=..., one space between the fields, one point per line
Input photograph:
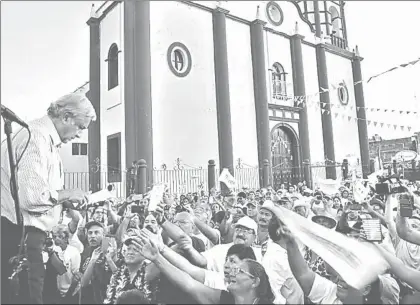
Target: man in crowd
x=40 y=183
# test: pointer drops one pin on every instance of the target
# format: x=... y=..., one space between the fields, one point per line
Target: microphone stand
x=18 y=262
x=12 y=164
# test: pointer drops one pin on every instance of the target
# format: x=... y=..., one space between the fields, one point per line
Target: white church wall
x=242 y=106
x=184 y=108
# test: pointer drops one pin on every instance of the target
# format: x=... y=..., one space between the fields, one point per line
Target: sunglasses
x=236 y=270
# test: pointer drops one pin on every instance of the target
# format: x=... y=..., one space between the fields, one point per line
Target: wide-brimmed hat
x=331 y=221
x=301 y=203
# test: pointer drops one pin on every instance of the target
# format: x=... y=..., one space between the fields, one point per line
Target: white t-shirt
x=214 y=280
x=71 y=259
x=277 y=267
x=216 y=256
x=207 y=243
x=323 y=291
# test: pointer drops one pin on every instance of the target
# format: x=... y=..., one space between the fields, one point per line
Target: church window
x=335 y=21
x=179 y=59
x=279 y=82
x=343 y=93
x=112 y=66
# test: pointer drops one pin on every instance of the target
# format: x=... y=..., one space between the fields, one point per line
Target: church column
x=299 y=90
x=221 y=72
x=260 y=95
x=137 y=86
x=327 y=128
x=94 y=95
x=361 y=114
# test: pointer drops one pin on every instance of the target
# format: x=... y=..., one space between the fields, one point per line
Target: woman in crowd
x=136 y=273
x=248 y=282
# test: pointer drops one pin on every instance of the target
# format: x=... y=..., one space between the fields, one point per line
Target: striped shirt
x=39 y=175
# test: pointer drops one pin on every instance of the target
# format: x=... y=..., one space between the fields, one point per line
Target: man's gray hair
x=73 y=104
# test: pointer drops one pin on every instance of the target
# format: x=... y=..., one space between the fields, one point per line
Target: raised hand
x=153 y=237
x=96 y=253
x=148 y=248
x=185 y=243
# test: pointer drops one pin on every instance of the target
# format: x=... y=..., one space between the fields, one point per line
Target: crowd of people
x=231 y=249
x=207 y=248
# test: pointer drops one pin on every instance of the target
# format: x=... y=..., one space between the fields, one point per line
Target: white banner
x=358 y=263
x=101 y=196
x=227 y=178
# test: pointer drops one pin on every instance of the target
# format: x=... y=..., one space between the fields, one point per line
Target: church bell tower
x=328 y=19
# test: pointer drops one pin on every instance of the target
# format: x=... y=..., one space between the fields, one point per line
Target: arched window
x=335 y=21
x=279 y=82
x=112 y=66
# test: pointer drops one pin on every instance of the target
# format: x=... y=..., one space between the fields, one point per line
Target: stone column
x=260 y=95
x=137 y=84
x=300 y=90
x=361 y=114
x=327 y=128
x=94 y=95
x=221 y=72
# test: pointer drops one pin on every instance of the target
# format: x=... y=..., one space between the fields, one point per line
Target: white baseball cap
x=247 y=222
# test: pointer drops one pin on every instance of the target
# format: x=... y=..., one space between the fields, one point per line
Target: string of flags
x=350 y=118
x=302 y=100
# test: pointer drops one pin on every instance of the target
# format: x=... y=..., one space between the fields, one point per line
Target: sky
x=45 y=54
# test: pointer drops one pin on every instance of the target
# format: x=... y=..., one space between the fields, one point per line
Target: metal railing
x=338 y=41
x=182 y=181
x=80 y=180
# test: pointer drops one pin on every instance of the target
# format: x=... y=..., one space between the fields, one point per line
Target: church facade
x=228 y=81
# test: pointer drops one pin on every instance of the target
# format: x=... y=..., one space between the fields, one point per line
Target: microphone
x=10 y=115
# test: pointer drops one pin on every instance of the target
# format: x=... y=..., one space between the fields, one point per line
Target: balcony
x=338 y=42
x=279 y=93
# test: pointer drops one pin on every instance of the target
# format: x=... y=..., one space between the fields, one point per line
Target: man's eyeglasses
x=236 y=270
x=244 y=230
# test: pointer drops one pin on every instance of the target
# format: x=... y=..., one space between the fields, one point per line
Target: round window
x=343 y=94
x=179 y=59
x=274 y=13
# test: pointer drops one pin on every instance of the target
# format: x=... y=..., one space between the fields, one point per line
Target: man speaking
x=40 y=183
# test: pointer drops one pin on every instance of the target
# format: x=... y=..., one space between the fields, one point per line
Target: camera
x=180 y=208
x=386 y=186
x=137 y=209
x=406 y=205
x=49 y=242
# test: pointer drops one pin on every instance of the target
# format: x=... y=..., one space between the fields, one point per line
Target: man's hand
x=366 y=205
x=77 y=277
x=185 y=243
x=72 y=198
x=95 y=254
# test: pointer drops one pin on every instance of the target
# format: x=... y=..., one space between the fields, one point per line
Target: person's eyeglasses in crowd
x=236 y=270
x=239 y=229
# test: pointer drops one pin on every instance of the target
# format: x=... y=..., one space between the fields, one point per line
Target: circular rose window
x=343 y=94
x=274 y=13
x=179 y=59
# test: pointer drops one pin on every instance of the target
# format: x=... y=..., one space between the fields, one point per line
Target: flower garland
x=120 y=282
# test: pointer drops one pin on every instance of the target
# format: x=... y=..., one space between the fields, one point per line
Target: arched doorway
x=285 y=152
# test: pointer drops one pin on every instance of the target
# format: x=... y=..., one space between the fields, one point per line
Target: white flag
x=358 y=263
x=156 y=196
x=227 y=178
x=360 y=192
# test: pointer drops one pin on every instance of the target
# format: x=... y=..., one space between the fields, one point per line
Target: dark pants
x=31 y=282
